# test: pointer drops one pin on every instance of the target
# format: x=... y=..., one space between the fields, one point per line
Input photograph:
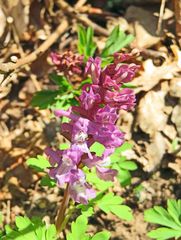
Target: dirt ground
x=154 y=127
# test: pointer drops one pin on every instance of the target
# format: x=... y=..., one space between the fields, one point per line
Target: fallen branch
x=177 y=8
x=8 y=67
x=162 y=8
x=82 y=18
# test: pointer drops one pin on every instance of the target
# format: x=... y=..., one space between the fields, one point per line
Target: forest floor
x=154 y=127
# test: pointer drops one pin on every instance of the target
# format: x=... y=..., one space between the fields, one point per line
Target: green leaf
x=86 y=81
x=174 y=209
x=160 y=216
x=111 y=203
x=51 y=232
x=109 y=200
x=123 y=176
x=64 y=146
x=138 y=190
x=44 y=99
x=164 y=233
x=62 y=82
x=122 y=165
x=175 y=144
x=122 y=211
x=1 y=218
x=104 y=235
x=98 y=148
x=170 y=219
x=87 y=211
x=47 y=181
x=106 y=61
x=92 y=178
x=22 y=222
x=86 y=45
x=40 y=163
x=27 y=229
x=128 y=165
x=116 y=41
x=78 y=229
x=126 y=146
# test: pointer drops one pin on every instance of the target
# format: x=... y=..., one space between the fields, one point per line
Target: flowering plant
x=87 y=167
x=92 y=121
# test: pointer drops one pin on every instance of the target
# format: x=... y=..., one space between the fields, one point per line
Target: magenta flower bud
x=93 y=67
x=68 y=63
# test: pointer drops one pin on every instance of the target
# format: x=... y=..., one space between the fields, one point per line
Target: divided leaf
x=122 y=165
x=78 y=229
x=62 y=82
x=40 y=163
x=170 y=219
x=92 y=178
x=98 y=148
x=44 y=99
x=104 y=235
x=47 y=181
x=112 y=203
x=27 y=229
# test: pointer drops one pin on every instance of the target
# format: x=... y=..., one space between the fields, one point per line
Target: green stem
x=68 y=215
x=62 y=209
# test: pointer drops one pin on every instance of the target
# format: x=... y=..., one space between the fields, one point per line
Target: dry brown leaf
x=152 y=75
x=175 y=87
x=144 y=26
x=176 y=118
x=151 y=117
x=155 y=152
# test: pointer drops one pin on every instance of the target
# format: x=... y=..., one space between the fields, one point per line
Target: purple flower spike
x=93 y=67
x=94 y=120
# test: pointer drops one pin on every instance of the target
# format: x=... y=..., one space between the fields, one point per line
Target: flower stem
x=67 y=217
x=62 y=209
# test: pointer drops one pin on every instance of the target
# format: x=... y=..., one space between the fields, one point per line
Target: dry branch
x=177 y=8
x=82 y=18
x=7 y=67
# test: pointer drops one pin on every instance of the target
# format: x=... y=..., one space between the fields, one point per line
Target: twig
x=177 y=8
x=82 y=18
x=162 y=8
x=80 y=3
x=7 y=67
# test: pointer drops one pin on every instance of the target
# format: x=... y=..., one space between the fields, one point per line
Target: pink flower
x=80 y=191
x=102 y=164
x=125 y=99
x=88 y=98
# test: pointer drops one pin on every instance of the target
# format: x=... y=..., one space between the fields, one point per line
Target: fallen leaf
x=151 y=117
